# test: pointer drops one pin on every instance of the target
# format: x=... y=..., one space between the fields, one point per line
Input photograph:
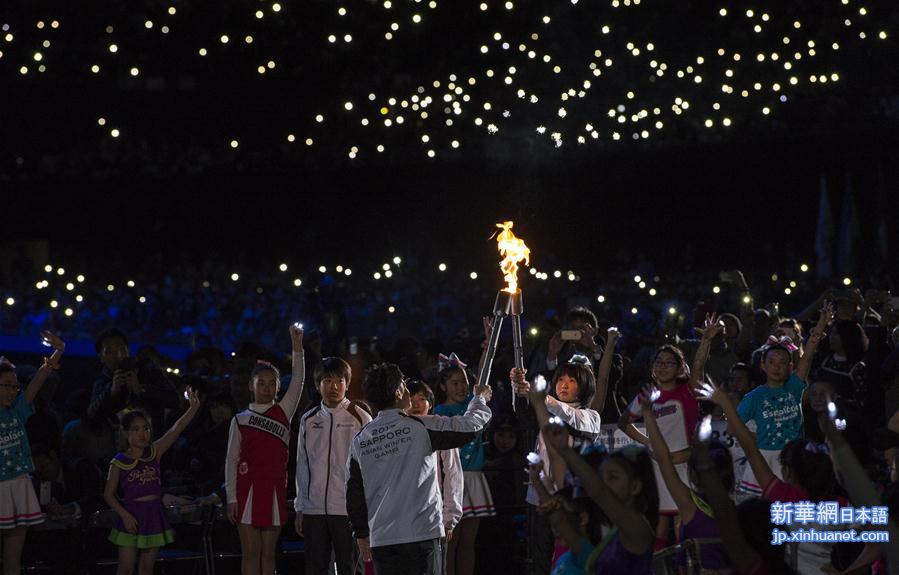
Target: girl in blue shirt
x=19 y=507
x=477 y=501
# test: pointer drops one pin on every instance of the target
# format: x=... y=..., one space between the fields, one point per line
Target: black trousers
x=418 y=558
x=324 y=533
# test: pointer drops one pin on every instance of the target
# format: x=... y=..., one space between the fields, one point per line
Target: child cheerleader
x=256 y=465
x=141 y=527
x=19 y=507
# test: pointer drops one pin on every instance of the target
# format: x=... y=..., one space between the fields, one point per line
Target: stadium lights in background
x=519 y=78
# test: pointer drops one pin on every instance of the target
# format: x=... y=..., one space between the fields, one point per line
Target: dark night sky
x=728 y=198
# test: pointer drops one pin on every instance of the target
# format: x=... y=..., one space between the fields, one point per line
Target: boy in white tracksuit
x=393 y=499
x=325 y=435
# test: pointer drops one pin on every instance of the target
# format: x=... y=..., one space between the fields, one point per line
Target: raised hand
x=193 y=399
x=644 y=400
x=537 y=392
x=734 y=277
x=521 y=386
x=612 y=336
x=554 y=346
x=587 y=335
x=708 y=391
x=555 y=434
x=53 y=341
x=484 y=391
x=487 y=322
x=712 y=326
x=296 y=336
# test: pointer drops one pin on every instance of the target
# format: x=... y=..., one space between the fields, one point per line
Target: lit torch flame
x=513 y=251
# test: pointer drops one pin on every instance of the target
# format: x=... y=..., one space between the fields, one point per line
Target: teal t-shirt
x=777 y=412
x=15 y=453
x=571 y=564
x=472 y=453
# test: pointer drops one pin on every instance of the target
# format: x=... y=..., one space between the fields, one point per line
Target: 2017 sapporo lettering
x=387 y=441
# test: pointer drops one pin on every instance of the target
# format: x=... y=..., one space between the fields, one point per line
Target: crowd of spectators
x=407 y=319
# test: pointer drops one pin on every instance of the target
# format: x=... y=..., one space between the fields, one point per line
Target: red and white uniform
x=677 y=412
x=256 y=465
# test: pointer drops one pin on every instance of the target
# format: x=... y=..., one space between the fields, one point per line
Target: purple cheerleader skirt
x=153 y=529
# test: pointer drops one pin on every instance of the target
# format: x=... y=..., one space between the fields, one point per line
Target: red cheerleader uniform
x=256 y=466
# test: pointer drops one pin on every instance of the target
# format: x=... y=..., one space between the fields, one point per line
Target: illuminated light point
x=442 y=267
x=48 y=268
x=348 y=106
x=234 y=144
x=534 y=331
x=224 y=39
x=388 y=274
x=672 y=310
x=601 y=298
x=114 y=133
x=276 y=7
x=291 y=138
x=557 y=274
x=70 y=286
x=882 y=35
x=308 y=141
x=716 y=289
x=416 y=18
x=235 y=277
x=79 y=298
x=10 y=301
x=54 y=304
x=283 y=267
x=473 y=275
x=804 y=267
x=319 y=118
x=397 y=260
x=637 y=279
x=142 y=299
x=652 y=291
x=297 y=282
x=134 y=71
x=130 y=283
x=348 y=272
x=202 y=51
x=113 y=48
x=788 y=291
x=847 y=281
x=385 y=267
x=376 y=275
x=110 y=287
x=101 y=121
x=95 y=69
x=634 y=311
x=391 y=309
x=69 y=312
x=60 y=271
x=38 y=56
x=747 y=299
x=322 y=269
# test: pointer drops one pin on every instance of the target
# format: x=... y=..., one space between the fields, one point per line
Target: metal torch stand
x=507 y=304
